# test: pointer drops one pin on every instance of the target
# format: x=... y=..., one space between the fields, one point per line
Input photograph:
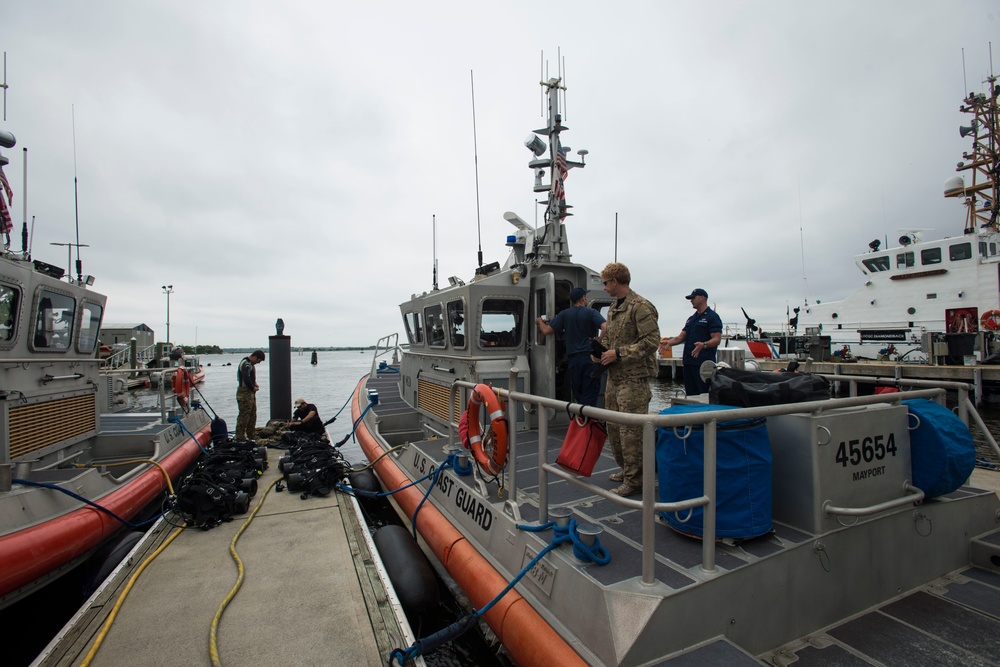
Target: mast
x=554 y=245
x=983 y=161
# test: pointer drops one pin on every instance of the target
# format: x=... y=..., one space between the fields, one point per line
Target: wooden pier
x=312 y=594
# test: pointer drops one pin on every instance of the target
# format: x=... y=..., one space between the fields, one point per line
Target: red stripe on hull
x=34 y=552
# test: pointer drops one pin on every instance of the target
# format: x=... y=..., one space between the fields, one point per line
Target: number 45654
x=867 y=449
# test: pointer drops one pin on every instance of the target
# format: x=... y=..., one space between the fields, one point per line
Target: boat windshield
x=9 y=303
x=434 y=325
x=456 y=322
x=413 y=330
x=90 y=324
x=54 y=321
x=501 y=323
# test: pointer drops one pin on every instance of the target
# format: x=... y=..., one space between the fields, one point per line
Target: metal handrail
x=649 y=423
x=915 y=495
x=391 y=344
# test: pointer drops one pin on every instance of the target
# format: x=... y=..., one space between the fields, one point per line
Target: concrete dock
x=311 y=593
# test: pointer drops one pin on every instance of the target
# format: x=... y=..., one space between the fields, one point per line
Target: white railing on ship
x=123 y=357
x=386 y=345
x=649 y=423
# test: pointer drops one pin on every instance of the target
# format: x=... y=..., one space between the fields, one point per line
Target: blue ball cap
x=577 y=294
x=697 y=292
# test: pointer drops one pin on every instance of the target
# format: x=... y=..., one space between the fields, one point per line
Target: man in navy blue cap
x=578 y=324
x=702 y=334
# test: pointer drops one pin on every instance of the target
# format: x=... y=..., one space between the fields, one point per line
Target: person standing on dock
x=578 y=324
x=246 y=395
x=632 y=337
x=701 y=335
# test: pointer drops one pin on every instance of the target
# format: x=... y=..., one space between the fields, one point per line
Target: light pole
x=168 y=289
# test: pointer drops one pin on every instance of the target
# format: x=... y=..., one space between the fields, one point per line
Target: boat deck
x=310 y=593
x=958 y=615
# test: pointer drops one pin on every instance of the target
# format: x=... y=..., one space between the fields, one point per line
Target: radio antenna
x=434 y=237
x=76 y=203
x=475 y=153
x=4 y=85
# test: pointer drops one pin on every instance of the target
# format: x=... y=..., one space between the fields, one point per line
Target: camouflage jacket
x=633 y=330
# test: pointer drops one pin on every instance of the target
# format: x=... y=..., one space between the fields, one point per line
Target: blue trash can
x=743 y=474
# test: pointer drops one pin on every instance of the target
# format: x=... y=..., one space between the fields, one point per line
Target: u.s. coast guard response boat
x=861 y=543
x=76 y=475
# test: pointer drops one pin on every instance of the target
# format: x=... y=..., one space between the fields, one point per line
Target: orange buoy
x=483 y=394
x=990 y=320
x=182 y=386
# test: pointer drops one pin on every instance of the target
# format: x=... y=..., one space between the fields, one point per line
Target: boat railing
x=386 y=345
x=123 y=357
x=167 y=403
x=648 y=505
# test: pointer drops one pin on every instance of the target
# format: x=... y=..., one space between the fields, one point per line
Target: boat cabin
x=484 y=331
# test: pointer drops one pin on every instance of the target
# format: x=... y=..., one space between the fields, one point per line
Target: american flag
x=6 y=222
x=560 y=175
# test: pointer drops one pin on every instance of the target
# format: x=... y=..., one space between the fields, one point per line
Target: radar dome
x=954 y=186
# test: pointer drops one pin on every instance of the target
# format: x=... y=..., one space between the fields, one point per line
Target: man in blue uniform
x=578 y=324
x=702 y=334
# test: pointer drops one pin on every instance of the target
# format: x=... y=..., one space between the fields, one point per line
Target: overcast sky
x=285 y=159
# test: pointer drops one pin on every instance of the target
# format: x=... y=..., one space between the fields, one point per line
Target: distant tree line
x=202 y=349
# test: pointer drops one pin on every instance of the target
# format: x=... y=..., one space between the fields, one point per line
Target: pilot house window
x=434 y=325
x=904 y=260
x=930 y=256
x=9 y=303
x=456 y=323
x=413 y=330
x=960 y=251
x=876 y=264
x=54 y=321
x=501 y=323
x=89 y=326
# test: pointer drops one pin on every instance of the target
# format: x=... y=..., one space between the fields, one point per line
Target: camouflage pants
x=246 y=422
x=627 y=395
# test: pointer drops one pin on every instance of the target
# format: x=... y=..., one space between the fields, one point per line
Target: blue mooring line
x=561 y=534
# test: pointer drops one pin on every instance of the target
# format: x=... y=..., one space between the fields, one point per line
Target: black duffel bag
x=747 y=389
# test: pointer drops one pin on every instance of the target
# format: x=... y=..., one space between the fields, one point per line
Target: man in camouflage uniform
x=246 y=395
x=632 y=338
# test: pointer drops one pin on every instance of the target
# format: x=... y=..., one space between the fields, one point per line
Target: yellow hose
x=213 y=645
x=121 y=598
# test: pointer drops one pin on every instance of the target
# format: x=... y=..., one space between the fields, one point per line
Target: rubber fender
x=108 y=557
x=408 y=569
x=364 y=480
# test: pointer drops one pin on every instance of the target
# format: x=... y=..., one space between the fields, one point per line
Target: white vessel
x=923 y=292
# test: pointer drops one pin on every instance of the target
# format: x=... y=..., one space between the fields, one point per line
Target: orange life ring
x=182 y=386
x=495 y=463
x=990 y=320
